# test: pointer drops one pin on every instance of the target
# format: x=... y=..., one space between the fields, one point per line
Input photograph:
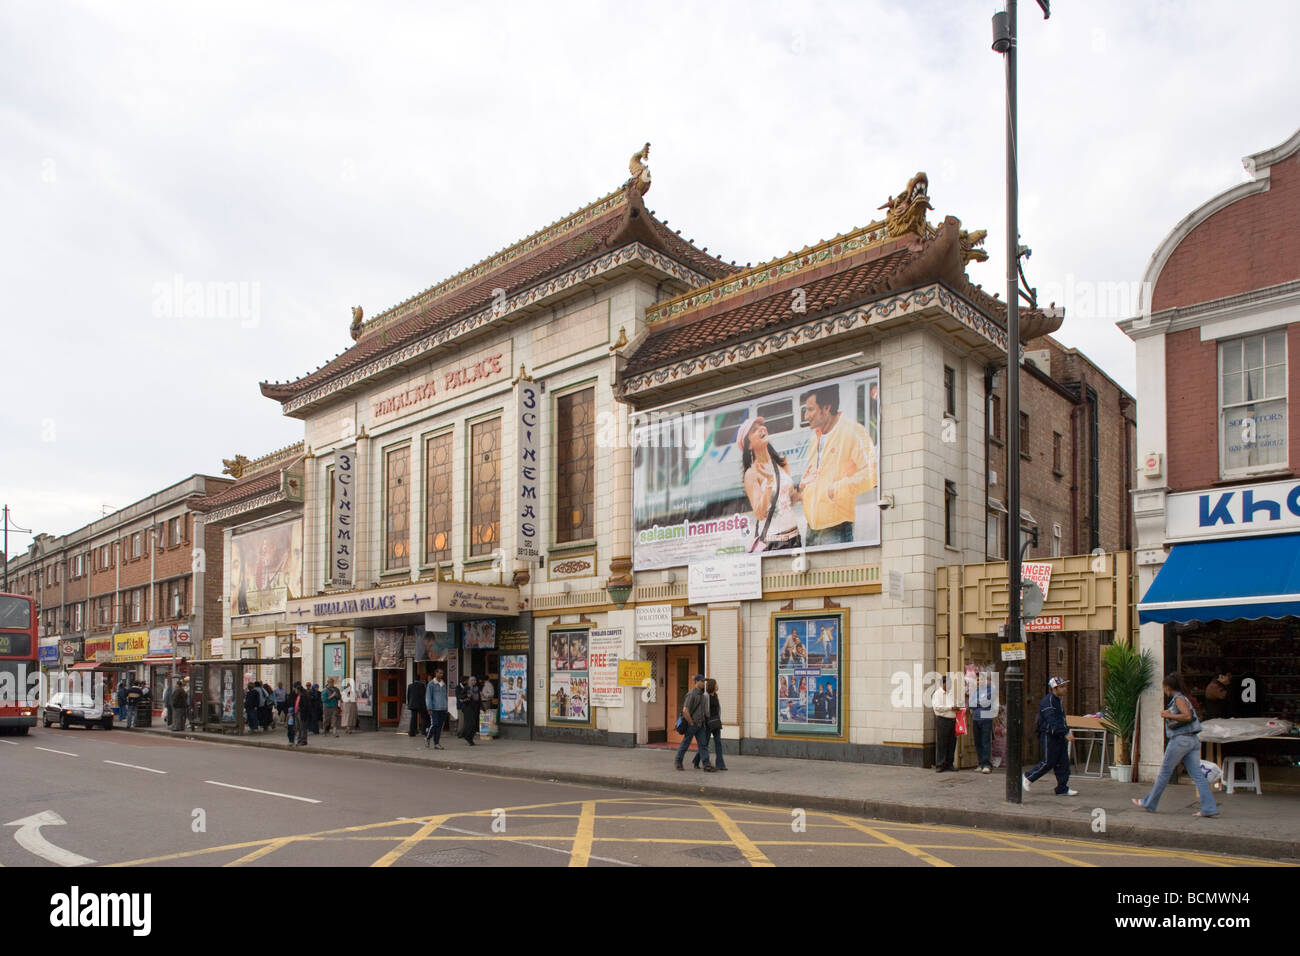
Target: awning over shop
x=1245 y=578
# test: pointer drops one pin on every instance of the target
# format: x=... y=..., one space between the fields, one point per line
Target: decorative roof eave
x=243 y=508
x=768 y=273
x=823 y=330
x=556 y=230
x=601 y=265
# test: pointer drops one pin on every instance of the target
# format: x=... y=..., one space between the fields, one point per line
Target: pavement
x=1262 y=825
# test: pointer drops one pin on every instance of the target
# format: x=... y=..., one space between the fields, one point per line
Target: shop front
x=1228 y=600
x=384 y=639
x=1086 y=607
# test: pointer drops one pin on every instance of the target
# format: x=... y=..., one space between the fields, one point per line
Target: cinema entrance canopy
x=399 y=604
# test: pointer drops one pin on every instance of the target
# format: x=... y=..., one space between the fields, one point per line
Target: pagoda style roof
x=573 y=249
x=272 y=480
x=866 y=276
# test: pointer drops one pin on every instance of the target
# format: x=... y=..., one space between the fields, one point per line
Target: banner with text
x=605 y=649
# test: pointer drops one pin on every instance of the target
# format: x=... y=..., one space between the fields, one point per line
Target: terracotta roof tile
x=612 y=222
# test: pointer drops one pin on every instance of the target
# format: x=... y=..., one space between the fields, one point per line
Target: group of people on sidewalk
x=426 y=703
x=701 y=721
x=307 y=709
x=1182 y=729
x=131 y=698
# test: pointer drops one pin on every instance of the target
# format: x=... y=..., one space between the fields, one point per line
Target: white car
x=76 y=708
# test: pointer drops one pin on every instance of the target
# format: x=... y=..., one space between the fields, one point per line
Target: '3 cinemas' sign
x=1272 y=508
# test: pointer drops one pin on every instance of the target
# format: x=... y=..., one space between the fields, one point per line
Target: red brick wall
x=1192 y=396
x=213 y=585
x=1251 y=244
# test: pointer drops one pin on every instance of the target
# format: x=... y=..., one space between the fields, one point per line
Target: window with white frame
x=995 y=533
x=1056 y=540
x=135 y=604
x=135 y=545
x=78 y=618
x=1252 y=404
x=174 y=531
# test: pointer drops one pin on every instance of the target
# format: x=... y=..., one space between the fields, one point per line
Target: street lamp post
x=1004 y=42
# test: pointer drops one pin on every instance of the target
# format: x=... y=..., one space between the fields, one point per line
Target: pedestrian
x=944 y=705
x=290 y=717
x=119 y=696
x=317 y=707
x=281 y=701
x=167 y=703
x=695 y=711
x=252 y=700
x=469 y=709
x=415 y=707
x=487 y=692
x=302 y=710
x=331 y=700
x=714 y=725
x=1182 y=729
x=133 y=695
x=349 y=706
x=266 y=711
x=1057 y=737
x=179 y=702
x=979 y=698
x=435 y=701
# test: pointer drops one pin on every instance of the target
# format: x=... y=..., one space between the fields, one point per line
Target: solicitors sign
x=1271 y=508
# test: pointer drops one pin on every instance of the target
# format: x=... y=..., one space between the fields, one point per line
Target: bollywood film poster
x=808 y=651
x=570 y=687
x=265 y=569
x=513 y=693
x=790 y=470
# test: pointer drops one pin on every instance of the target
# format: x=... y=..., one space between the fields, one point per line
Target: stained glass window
x=484 y=487
x=575 y=466
x=397 y=509
x=437 y=499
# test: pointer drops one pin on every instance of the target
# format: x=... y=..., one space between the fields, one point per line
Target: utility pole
x=1004 y=42
x=5 y=585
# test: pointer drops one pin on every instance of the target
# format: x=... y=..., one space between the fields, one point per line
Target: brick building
x=1217 y=503
x=134 y=587
x=1077 y=441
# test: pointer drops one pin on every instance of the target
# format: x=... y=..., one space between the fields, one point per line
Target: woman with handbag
x=770 y=489
x=1182 y=729
x=714 y=725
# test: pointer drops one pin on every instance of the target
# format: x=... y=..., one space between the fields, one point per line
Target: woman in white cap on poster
x=770 y=489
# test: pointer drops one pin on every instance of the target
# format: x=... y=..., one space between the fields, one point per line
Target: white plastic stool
x=1249 y=781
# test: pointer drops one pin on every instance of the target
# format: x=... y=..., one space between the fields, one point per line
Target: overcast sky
x=326 y=154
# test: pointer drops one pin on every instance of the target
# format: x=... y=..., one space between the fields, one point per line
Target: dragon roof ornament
x=905 y=213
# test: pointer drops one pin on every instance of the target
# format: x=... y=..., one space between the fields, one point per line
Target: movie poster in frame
x=808 y=654
x=569 y=689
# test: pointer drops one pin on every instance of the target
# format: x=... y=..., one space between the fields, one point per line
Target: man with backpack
x=1056 y=737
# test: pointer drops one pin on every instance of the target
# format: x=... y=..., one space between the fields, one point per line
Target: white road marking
x=116 y=763
x=64 y=752
x=11 y=743
x=29 y=838
x=269 y=793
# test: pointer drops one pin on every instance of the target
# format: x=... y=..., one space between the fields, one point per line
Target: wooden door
x=677 y=682
x=388 y=697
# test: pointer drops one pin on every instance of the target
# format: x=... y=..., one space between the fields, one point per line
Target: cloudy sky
x=319 y=155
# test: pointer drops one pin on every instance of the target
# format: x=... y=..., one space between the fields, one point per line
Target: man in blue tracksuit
x=1056 y=734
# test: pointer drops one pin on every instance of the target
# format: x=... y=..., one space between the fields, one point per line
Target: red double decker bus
x=19 y=674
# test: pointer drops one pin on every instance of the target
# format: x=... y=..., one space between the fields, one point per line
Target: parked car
x=72 y=708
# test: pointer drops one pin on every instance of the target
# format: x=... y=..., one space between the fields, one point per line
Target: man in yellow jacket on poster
x=841 y=466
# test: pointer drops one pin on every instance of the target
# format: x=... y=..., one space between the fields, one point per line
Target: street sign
x=1031 y=600
x=1013 y=652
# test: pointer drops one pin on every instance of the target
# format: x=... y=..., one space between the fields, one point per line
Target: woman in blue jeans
x=1182 y=730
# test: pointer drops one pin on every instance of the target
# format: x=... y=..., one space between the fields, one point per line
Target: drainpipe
x=1074 y=476
x=1094 y=473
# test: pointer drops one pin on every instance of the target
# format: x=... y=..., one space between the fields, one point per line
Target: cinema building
x=1217 y=504
x=544 y=471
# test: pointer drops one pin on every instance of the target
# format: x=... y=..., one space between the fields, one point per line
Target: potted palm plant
x=1128 y=675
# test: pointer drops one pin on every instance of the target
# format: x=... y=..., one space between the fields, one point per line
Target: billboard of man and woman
x=807 y=651
x=790 y=470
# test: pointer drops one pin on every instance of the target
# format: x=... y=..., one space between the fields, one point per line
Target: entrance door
x=681 y=665
x=388 y=697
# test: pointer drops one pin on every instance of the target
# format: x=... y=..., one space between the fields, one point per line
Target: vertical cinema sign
x=343 y=523
x=527 y=427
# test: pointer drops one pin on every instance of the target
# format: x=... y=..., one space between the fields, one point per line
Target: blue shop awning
x=1245 y=578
